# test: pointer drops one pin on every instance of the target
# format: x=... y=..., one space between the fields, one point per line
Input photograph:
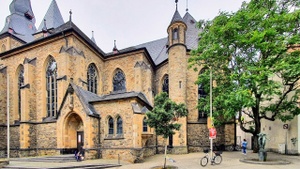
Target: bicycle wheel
x=217 y=159
x=237 y=148
x=203 y=161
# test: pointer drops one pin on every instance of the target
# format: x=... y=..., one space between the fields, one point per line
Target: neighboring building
x=64 y=91
x=282 y=137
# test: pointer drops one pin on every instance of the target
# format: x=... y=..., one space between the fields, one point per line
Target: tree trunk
x=255 y=143
x=165 y=156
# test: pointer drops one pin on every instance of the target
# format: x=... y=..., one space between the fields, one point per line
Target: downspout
x=67 y=42
x=99 y=138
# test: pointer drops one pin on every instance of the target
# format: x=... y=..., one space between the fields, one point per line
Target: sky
x=129 y=22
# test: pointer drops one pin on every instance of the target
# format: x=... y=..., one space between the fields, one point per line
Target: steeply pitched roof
x=122 y=95
x=176 y=17
x=53 y=17
x=192 y=31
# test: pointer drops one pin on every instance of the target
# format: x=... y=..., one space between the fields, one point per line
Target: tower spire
x=187 y=6
x=176 y=1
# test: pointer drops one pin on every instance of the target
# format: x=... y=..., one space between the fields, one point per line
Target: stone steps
x=92 y=166
x=55 y=159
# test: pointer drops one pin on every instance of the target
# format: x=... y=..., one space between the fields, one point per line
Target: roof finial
x=92 y=33
x=176 y=1
x=70 y=15
x=115 y=49
x=187 y=6
x=44 y=29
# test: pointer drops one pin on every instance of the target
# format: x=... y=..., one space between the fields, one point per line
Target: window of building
x=165 y=86
x=110 y=125
x=119 y=81
x=145 y=125
x=92 y=78
x=20 y=84
x=119 y=125
x=201 y=94
x=51 y=87
x=175 y=34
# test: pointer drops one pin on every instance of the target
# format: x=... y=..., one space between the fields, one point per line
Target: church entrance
x=73 y=134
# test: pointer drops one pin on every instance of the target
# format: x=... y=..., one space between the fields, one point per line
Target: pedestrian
x=244 y=146
x=80 y=154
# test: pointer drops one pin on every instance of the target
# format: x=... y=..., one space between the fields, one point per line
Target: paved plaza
x=231 y=160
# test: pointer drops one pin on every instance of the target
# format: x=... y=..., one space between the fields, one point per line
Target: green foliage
x=164 y=113
x=254 y=60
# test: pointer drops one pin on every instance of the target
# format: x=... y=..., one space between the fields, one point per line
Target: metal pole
x=7 y=113
x=210 y=100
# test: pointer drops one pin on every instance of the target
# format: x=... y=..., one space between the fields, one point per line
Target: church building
x=60 y=91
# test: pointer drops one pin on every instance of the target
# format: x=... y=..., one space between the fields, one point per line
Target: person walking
x=244 y=146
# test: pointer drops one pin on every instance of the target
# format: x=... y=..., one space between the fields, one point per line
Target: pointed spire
x=53 y=17
x=176 y=16
x=115 y=49
x=176 y=1
x=92 y=38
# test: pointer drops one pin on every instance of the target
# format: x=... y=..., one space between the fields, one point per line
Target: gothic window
x=175 y=34
x=51 y=87
x=119 y=125
x=110 y=125
x=201 y=94
x=119 y=81
x=20 y=84
x=92 y=78
x=165 y=86
x=145 y=125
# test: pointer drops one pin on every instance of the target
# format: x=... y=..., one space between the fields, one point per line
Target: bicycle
x=216 y=159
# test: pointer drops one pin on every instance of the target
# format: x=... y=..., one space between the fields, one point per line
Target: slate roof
x=176 y=17
x=122 y=95
x=53 y=17
x=17 y=24
x=85 y=97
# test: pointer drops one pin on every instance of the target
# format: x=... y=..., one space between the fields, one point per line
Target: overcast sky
x=129 y=22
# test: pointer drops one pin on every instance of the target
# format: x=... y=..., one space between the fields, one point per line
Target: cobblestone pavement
x=231 y=160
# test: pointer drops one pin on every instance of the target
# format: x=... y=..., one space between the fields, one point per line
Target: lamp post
x=8 y=133
x=210 y=111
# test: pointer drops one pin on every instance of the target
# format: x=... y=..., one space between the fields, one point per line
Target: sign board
x=212 y=133
x=285 y=126
x=209 y=123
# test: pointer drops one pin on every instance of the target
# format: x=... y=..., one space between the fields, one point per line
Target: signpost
x=212 y=133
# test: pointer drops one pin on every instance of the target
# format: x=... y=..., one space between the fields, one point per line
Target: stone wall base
x=3 y=162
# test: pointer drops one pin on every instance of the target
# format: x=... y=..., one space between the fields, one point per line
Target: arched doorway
x=73 y=135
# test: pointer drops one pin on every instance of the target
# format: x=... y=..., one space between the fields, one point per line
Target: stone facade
x=109 y=123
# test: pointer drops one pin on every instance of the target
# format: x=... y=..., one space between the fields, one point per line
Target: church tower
x=178 y=74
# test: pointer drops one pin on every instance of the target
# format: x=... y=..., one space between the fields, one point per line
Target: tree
x=164 y=115
x=254 y=57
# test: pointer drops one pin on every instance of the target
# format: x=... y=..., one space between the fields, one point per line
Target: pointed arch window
x=202 y=94
x=145 y=125
x=165 y=85
x=51 y=87
x=119 y=125
x=110 y=125
x=92 y=78
x=175 y=34
x=20 y=84
x=119 y=81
